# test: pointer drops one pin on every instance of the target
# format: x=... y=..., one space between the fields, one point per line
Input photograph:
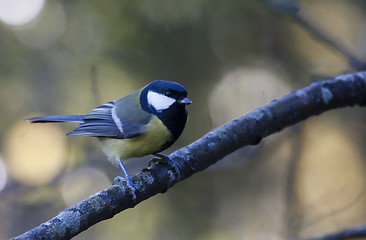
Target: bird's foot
x=129 y=183
x=164 y=159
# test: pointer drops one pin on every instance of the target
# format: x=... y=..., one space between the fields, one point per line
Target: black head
x=168 y=101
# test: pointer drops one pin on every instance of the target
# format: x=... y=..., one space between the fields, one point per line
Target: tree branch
x=318 y=97
x=356 y=233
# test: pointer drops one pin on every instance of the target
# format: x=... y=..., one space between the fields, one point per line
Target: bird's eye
x=168 y=94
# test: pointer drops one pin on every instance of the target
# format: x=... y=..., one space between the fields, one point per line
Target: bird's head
x=162 y=96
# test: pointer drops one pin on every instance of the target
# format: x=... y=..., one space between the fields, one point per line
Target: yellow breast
x=151 y=141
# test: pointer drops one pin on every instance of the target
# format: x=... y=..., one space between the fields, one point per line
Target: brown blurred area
x=67 y=57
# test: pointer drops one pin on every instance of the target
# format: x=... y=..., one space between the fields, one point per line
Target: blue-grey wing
x=101 y=122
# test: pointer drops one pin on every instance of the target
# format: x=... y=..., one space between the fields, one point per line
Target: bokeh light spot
x=19 y=12
x=3 y=175
x=48 y=28
x=82 y=183
x=34 y=153
x=242 y=90
x=331 y=177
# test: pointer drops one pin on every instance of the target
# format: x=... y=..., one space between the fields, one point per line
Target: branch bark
x=250 y=129
x=356 y=233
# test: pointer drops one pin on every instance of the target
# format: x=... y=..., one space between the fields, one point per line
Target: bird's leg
x=164 y=159
x=126 y=179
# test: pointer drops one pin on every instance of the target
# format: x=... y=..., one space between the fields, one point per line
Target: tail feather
x=60 y=118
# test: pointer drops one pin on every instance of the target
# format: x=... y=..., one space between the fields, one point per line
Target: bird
x=144 y=122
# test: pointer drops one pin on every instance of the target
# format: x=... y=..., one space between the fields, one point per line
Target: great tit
x=144 y=122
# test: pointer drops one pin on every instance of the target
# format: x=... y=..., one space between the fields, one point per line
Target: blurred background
x=67 y=57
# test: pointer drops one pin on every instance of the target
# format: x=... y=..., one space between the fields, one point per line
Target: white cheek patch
x=159 y=101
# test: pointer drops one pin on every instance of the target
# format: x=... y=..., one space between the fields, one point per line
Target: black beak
x=185 y=101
